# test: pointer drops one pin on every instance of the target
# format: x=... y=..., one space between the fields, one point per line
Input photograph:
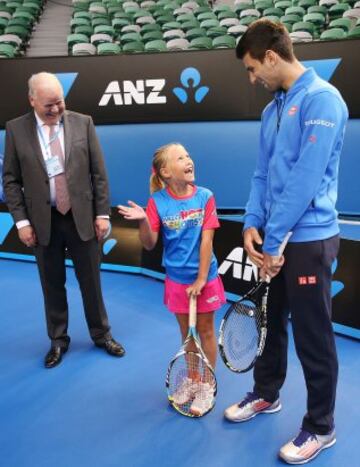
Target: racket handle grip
x=192 y=311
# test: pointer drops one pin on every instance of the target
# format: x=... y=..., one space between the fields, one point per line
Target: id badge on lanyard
x=53 y=163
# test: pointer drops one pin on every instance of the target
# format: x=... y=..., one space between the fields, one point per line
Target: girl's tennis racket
x=190 y=380
x=243 y=329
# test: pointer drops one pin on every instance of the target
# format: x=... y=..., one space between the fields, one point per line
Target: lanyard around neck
x=51 y=140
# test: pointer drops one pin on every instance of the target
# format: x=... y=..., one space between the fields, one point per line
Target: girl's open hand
x=132 y=213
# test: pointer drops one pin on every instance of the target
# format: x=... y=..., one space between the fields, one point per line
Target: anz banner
x=170 y=87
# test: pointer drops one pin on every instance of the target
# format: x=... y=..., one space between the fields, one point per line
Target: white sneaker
x=249 y=407
x=306 y=446
x=185 y=391
x=204 y=399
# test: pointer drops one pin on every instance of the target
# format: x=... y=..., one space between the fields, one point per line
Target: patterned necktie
x=61 y=190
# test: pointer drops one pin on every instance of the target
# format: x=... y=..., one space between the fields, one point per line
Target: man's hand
x=102 y=227
x=251 y=239
x=27 y=236
x=271 y=266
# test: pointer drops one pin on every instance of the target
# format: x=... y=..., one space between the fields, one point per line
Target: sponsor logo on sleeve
x=320 y=122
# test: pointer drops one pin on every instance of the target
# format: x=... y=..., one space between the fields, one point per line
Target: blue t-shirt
x=181 y=221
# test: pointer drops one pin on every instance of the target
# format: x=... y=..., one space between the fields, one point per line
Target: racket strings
x=241 y=335
x=191 y=385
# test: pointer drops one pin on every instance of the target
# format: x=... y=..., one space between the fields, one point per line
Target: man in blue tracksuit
x=294 y=189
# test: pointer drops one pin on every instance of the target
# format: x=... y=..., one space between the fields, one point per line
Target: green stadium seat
x=20 y=31
x=108 y=49
x=273 y=12
x=161 y=20
x=209 y=23
x=119 y=23
x=343 y=23
x=273 y=18
x=307 y=3
x=152 y=36
x=333 y=34
x=104 y=29
x=150 y=27
x=262 y=5
x=82 y=14
x=290 y=19
x=226 y=14
x=336 y=11
x=7 y=51
x=304 y=26
x=201 y=43
x=207 y=15
x=171 y=25
x=219 y=8
x=216 y=32
x=187 y=25
x=224 y=42
x=318 y=9
x=247 y=20
x=283 y=4
x=194 y=33
x=3 y=24
x=73 y=39
x=133 y=47
x=98 y=21
x=75 y=22
x=295 y=10
x=242 y=6
x=202 y=9
x=317 y=19
x=186 y=17
x=156 y=46
x=130 y=37
x=87 y=30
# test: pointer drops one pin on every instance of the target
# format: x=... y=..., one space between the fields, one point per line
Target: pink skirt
x=212 y=296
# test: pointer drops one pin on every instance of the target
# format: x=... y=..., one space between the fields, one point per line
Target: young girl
x=186 y=216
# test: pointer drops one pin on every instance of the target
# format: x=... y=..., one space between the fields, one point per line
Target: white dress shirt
x=43 y=135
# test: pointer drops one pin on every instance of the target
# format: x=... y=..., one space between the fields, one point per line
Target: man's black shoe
x=54 y=356
x=112 y=347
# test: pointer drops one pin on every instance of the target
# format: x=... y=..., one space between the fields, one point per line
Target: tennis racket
x=243 y=329
x=190 y=380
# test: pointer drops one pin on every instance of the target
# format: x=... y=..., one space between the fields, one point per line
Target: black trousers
x=303 y=288
x=51 y=264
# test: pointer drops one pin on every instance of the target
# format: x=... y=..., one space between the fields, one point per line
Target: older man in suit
x=57 y=192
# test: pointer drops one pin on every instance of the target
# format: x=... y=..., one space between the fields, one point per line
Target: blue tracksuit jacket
x=294 y=187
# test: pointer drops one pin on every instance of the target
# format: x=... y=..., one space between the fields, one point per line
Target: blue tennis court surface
x=98 y=411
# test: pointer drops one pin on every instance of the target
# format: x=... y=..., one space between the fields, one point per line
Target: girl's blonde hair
x=157 y=183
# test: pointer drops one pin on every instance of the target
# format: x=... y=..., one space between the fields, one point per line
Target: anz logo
x=151 y=91
x=141 y=92
x=234 y=262
x=190 y=79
